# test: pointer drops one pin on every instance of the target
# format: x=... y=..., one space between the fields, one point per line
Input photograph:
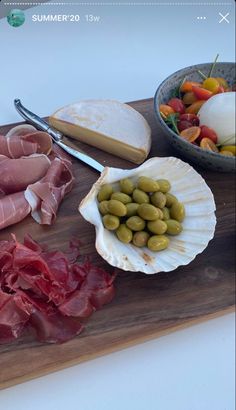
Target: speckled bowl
x=206 y=159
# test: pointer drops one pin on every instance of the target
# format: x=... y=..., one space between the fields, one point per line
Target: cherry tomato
x=189 y=98
x=177 y=105
x=208 y=144
x=202 y=93
x=209 y=133
x=221 y=89
x=191 y=118
x=211 y=84
x=222 y=82
x=228 y=153
x=188 y=85
x=165 y=110
x=183 y=124
x=231 y=148
x=191 y=134
x=195 y=107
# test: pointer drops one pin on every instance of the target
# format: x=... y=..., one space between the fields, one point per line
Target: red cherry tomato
x=202 y=93
x=207 y=132
x=191 y=118
x=183 y=125
x=177 y=105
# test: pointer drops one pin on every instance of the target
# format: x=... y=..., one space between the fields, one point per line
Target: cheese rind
x=108 y=125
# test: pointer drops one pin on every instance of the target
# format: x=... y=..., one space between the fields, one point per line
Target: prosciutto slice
x=13 y=208
x=17 y=174
x=46 y=195
x=40 y=175
x=48 y=292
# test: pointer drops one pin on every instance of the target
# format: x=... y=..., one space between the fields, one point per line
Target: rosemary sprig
x=213 y=66
x=183 y=80
x=171 y=120
x=201 y=74
x=176 y=92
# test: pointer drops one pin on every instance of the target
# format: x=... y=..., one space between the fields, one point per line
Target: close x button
x=223 y=18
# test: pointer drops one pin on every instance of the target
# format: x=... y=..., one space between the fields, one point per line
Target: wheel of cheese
x=108 y=125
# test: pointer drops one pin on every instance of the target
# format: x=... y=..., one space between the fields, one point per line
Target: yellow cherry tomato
x=211 y=84
x=229 y=148
x=227 y=153
x=222 y=82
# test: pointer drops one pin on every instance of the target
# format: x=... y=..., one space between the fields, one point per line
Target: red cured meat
x=47 y=292
x=17 y=144
x=42 y=179
x=21 y=130
x=16 y=147
x=46 y=195
x=15 y=175
x=12 y=318
x=13 y=208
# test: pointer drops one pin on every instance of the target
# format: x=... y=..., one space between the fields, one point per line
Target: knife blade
x=57 y=136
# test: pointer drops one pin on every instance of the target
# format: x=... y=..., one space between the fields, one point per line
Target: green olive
x=116 y=207
x=120 y=196
x=126 y=186
x=103 y=207
x=177 y=211
x=158 y=242
x=170 y=199
x=147 y=184
x=166 y=213
x=158 y=199
x=140 y=197
x=111 y=222
x=135 y=223
x=161 y=215
x=164 y=185
x=158 y=227
x=105 y=192
x=124 y=234
x=148 y=212
x=173 y=227
x=140 y=238
x=131 y=209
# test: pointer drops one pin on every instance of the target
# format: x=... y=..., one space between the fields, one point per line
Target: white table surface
x=124 y=57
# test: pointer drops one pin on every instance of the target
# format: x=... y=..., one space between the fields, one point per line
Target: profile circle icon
x=16 y=18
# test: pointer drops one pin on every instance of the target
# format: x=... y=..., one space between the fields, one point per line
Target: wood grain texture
x=144 y=306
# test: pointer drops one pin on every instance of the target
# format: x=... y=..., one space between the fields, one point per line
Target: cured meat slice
x=42 y=139
x=13 y=208
x=16 y=145
x=20 y=130
x=12 y=318
x=46 y=195
x=47 y=292
x=17 y=174
x=54 y=328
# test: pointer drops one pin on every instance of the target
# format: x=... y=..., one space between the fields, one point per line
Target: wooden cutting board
x=144 y=307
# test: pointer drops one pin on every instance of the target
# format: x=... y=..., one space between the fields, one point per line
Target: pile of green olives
x=143 y=214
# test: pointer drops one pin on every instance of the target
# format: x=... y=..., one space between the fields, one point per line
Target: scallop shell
x=198 y=225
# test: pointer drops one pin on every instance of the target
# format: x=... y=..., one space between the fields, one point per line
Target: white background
x=124 y=57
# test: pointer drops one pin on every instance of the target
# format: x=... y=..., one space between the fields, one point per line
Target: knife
x=57 y=136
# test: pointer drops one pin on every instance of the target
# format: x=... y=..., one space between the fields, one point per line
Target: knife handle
x=81 y=156
x=36 y=121
x=56 y=135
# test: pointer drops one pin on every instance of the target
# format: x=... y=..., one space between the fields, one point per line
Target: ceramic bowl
x=206 y=159
x=198 y=225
